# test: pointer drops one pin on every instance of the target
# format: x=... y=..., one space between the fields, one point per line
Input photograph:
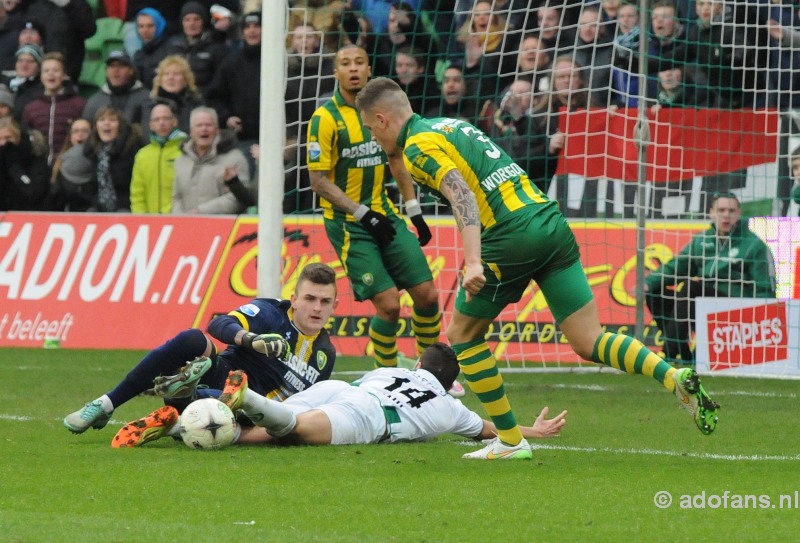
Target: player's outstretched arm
x=542 y=427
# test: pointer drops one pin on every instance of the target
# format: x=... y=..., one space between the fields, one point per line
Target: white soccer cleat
x=497 y=450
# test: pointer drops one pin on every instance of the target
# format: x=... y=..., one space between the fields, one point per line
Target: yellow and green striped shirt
x=433 y=147
x=338 y=142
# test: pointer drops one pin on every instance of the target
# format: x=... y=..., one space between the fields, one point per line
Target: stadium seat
x=109 y=37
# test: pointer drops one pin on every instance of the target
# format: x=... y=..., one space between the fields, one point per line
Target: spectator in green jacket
x=154 y=165
x=727 y=260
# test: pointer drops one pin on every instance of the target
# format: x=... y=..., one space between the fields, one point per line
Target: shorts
x=529 y=247
x=356 y=416
x=371 y=270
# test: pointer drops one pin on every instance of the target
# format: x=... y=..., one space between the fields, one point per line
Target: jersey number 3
x=492 y=152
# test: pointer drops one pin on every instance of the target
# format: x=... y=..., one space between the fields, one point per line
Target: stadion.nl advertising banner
x=132 y=282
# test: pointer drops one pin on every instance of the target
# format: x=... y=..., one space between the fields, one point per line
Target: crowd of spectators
x=508 y=66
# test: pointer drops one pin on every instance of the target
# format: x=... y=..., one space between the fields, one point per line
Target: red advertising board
x=103 y=280
x=748 y=336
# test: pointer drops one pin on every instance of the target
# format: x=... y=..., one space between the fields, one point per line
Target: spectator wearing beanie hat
x=66 y=25
x=32 y=32
x=24 y=81
x=197 y=44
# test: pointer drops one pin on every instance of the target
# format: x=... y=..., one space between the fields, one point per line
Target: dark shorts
x=372 y=270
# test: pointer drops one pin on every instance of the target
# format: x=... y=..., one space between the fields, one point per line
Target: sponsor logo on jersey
x=250 y=310
x=371 y=161
x=365 y=149
x=367 y=278
x=446 y=125
x=314 y=151
x=322 y=360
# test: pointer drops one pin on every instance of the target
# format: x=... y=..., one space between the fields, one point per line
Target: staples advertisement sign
x=747 y=337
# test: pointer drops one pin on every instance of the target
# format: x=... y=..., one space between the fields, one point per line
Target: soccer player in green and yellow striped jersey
x=376 y=248
x=511 y=234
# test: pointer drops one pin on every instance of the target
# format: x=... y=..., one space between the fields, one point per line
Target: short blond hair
x=383 y=91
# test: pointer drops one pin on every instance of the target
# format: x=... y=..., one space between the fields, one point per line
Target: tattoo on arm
x=462 y=199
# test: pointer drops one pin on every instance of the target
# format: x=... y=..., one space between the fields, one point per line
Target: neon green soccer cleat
x=184 y=383
x=694 y=398
x=497 y=450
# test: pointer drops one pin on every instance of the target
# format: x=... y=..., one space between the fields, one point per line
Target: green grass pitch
x=625 y=441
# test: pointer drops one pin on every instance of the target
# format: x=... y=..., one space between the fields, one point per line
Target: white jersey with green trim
x=417 y=407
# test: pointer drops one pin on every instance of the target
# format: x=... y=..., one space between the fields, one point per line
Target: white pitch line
x=657 y=452
x=18 y=418
x=754 y=394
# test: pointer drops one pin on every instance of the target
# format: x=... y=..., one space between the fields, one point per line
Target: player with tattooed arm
x=511 y=234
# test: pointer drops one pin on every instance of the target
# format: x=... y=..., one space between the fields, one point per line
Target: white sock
x=108 y=407
x=237 y=433
x=279 y=420
x=175 y=431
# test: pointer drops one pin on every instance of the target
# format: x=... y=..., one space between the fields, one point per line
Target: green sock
x=426 y=323
x=383 y=335
x=632 y=356
x=484 y=380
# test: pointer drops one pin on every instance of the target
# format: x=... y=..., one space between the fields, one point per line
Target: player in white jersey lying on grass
x=385 y=405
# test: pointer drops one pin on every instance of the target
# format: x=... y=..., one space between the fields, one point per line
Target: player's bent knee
x=425 y=296
x=388 y=312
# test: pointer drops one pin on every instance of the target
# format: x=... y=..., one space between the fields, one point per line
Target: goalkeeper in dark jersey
x=378 y=251
x=511 y=234
x=281 y=344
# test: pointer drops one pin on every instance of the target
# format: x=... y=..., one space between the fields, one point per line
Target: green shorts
x=371 y=270
x=529 y=247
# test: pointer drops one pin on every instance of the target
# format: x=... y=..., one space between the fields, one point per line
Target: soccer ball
x=207 y=424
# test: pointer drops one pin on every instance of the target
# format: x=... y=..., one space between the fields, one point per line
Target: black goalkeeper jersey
x=311 y=358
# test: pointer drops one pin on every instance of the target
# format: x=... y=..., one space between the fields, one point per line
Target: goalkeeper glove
x=415 y=214
x=379 y=226
x=269 y=344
